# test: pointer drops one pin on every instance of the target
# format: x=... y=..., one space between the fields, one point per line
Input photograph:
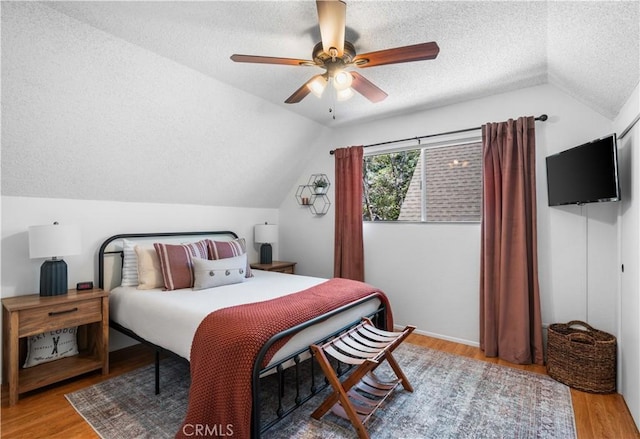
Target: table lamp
x=53 y=241
x=266 y=234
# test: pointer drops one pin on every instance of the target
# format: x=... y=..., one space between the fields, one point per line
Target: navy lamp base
x=265 y=254
x=53 y=278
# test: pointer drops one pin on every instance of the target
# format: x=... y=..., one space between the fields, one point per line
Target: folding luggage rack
x=361 y=393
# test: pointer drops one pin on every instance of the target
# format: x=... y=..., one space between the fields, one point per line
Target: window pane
x=411 y=208
x=444 y=184
x=386 y=180
x=454 y=182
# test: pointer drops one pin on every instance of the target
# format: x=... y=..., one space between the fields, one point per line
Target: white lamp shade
x=317 y=85
x=54 y=240
x=344 y=94
x=266 y=233
x=342 y=80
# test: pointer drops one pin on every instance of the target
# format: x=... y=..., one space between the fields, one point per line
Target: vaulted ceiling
x=589 y=49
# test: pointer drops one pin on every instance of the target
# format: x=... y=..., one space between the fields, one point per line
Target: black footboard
x=295 y=360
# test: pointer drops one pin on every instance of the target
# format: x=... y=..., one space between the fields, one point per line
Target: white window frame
x=440 y=141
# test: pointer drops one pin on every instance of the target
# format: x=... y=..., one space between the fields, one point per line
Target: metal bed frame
x=257 y=428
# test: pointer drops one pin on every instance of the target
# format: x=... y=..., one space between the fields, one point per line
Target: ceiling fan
x=336 y=55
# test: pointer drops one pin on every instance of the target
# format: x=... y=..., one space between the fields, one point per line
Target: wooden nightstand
x=279 y=266
x=24 y=316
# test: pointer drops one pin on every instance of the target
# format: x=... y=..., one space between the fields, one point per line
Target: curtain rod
x=542 y=118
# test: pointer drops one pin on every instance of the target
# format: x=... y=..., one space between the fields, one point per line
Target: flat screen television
x=587 y=173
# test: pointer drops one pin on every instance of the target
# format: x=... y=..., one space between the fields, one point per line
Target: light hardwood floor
x=47 y=414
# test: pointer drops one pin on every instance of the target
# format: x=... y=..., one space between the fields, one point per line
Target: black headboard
x=110 y=255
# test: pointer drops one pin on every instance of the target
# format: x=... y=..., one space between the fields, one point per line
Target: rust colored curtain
x=348 y=260
x=510 y=321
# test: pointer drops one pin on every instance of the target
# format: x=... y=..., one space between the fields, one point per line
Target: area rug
x=454 y=397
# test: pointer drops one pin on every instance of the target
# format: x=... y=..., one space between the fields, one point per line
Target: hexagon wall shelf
x=314 y=194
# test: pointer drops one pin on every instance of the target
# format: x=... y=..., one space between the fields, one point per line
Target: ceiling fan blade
x=367 y=88
x=416 y=52
x=271 y=60
x=332 y=18
x=300 y=93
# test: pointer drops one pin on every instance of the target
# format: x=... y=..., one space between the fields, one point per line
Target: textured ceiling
x=589 y=49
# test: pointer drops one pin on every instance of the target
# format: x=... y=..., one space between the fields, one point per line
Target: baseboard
x=442 y=337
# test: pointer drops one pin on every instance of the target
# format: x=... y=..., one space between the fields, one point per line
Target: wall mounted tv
x=584 y=174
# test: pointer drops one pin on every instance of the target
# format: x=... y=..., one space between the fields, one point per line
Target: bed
x=170 y=321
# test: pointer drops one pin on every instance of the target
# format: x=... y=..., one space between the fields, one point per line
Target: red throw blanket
x=227 y=342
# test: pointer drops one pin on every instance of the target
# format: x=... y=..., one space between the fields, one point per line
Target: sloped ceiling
x=589 y=49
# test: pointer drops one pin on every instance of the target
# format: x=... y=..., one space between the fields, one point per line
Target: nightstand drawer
x=38 y=320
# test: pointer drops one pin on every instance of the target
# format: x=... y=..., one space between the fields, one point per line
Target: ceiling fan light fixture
x=317 y=85
x=334 y=54
x=343 y=95
x=342 y=80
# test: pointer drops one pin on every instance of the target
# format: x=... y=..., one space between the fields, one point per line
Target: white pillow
x=209 y=274
x=51 y=345
x=129 y=264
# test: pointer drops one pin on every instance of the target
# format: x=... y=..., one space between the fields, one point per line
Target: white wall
x=305 y=238
x=431 y=271
x=629 y=305
x=431 y=274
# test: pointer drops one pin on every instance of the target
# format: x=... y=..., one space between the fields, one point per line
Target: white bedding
x=170 y=318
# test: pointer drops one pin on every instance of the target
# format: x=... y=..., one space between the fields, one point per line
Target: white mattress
x=170 y=318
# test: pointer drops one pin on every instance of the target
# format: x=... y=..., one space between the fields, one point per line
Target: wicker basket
x=584 y=359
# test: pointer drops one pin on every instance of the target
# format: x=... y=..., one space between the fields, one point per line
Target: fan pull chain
x=334 y=104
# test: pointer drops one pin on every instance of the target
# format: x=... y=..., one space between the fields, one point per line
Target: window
x=434 y=183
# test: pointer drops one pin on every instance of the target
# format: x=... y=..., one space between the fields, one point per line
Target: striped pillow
x=175 y=262
x=129 y=264
x=229 y=249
